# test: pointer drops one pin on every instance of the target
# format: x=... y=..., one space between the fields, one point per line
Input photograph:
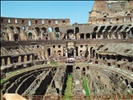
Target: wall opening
x=82 y=36
x=16 y=37
x=29 y=23
x=16 y=21
x=43 y=22
x=87 y=36
x=76 y=30
x=49 y=50
x=69 y=69
x=70 y=53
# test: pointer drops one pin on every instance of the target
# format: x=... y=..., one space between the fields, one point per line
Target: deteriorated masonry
x=96 y=58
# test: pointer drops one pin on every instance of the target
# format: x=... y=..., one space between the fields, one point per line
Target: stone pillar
x=84 y=36
x=74 y=53
x=101 y=36
x=66 y=52
x=90 y=36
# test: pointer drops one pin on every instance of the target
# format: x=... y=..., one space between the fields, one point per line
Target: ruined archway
x=87 y=36
x=37 y=30
x=49 y=51
x=82 y=36
x=16 y=37
x=59 y=52
x=70 y=53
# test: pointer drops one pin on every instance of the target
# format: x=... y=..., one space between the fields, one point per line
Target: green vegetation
x=68 y=90
x=54 y=63
x=86 y=87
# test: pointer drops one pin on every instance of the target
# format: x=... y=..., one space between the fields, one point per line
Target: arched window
x=50 y=29
x=82 y=36
x=124 y=19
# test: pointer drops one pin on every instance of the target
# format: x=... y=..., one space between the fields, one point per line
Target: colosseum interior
x=49 y=59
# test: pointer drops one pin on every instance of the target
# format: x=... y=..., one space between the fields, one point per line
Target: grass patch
x=54 y=63
x=68 y=90
x=86 y=87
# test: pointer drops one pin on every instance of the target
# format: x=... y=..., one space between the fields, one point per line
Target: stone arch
x=30 y=35
x=18 y=29
x=94 y=35
x=37 y=30
x=50 y=29
x=16 y=37
x=87 y=36
x=59 y=52
x=4 y=36
x=76 y=29
x=70 y=34
x=81 y=52
x=44 y=29
x=57 y=29
x=11 y=27
x=77 y=67
x=81 y=36
x=131 y=84
x=83 y=71
x=49 y=51
x=126 y=81
x=91 y=52
x=70 y=52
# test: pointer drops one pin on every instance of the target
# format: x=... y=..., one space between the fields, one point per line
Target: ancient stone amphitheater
x=49 y=59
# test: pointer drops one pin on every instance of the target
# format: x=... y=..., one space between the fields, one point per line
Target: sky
x=76 y=11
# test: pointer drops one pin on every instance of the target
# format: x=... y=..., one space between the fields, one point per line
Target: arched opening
x=70 y=34
x=131 y=84
x=11 y=27
x=49 y=50
x=77 y=67
x=91 y=53
x=30 y=35
x=108 y=57
x=76 y=30
x=44 y=30
x=16 y=37
x=59 y=52
x=87 y=36
x=82 y=36
x=129 y=59
x=50 y=29
x=118 y=57
x=56 y=22
x=57 y=32
x=58 y=91
x=83 y=71
x=126 y=81
x=57 y=29
x=112 y=57
x=18 y=28
x=94 y=36
x=70 y=53
x=96 y=55
x=37 y=30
